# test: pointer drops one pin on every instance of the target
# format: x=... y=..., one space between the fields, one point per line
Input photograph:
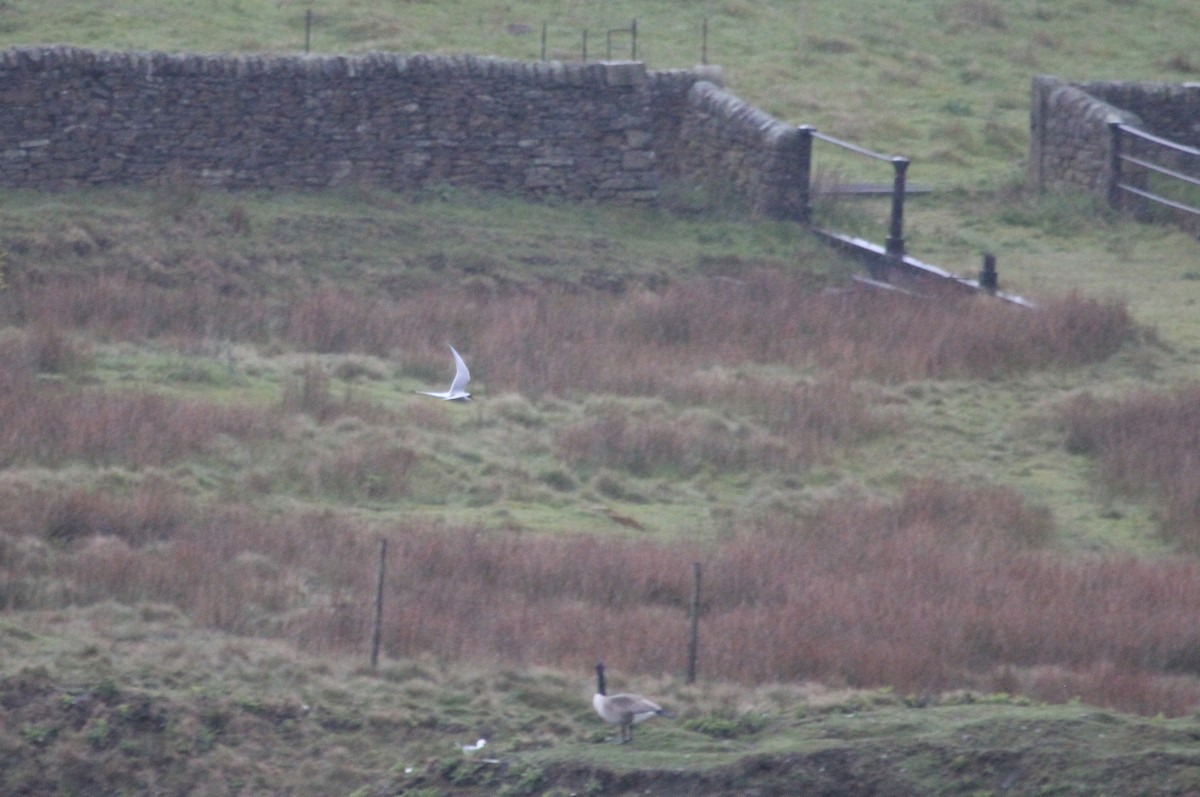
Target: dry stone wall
x=1070 y=142
x=1171 y=110
x=733 y=146
x=605 y=131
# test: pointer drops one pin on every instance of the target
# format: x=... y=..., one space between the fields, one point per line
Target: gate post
x=1114 y=165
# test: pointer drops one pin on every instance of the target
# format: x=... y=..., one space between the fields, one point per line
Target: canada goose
x=458 y=388
x=623 y=710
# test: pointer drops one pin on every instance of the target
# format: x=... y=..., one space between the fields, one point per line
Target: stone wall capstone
x=602 y=130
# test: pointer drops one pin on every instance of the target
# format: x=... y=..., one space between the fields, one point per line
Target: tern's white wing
x=461 y=376
x=458 y=388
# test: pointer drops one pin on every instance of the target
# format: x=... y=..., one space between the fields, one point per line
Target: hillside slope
x=120 y=700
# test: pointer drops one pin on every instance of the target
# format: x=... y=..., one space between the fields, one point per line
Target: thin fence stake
x=895 y=240
x=307 y=29
x=694 y=633
x=704 y=42
x=377 y=631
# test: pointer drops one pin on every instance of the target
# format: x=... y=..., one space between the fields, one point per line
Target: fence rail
x=895 y=238
x=852 y=147
x=882 y=261
x=1123 y=181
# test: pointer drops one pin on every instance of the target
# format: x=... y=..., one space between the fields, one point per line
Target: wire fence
x=559 y=43
x=577 y=43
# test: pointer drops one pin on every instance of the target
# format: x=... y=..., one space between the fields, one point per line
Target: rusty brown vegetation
x=1147 y=444
x=944 y=586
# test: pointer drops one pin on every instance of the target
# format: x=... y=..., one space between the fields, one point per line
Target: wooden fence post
x=895 y=239
x=377 y=631
x=694 y=633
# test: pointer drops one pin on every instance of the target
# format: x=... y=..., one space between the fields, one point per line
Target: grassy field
x=977 y=524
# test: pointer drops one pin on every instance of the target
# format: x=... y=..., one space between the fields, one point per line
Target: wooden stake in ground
x=694 y=634
x=377 y=631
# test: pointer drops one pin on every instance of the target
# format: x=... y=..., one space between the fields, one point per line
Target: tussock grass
x=606 y=402
x=942 y=588
x=1146 y=443
x=52 y=425
x=634 y=343
x=248 y=498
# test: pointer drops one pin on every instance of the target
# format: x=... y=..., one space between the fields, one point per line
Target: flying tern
x=458 y=388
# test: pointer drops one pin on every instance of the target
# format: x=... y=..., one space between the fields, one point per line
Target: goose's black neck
x=600 y=679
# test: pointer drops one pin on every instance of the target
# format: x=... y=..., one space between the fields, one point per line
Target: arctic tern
x=458 y=388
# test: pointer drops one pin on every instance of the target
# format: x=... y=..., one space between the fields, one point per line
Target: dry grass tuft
x=53 y=425
x=1147 y=443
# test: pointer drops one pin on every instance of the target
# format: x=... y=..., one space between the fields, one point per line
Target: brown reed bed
x=942 y=588
x=564 y=341
x=794 y=425
x=50 y=424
